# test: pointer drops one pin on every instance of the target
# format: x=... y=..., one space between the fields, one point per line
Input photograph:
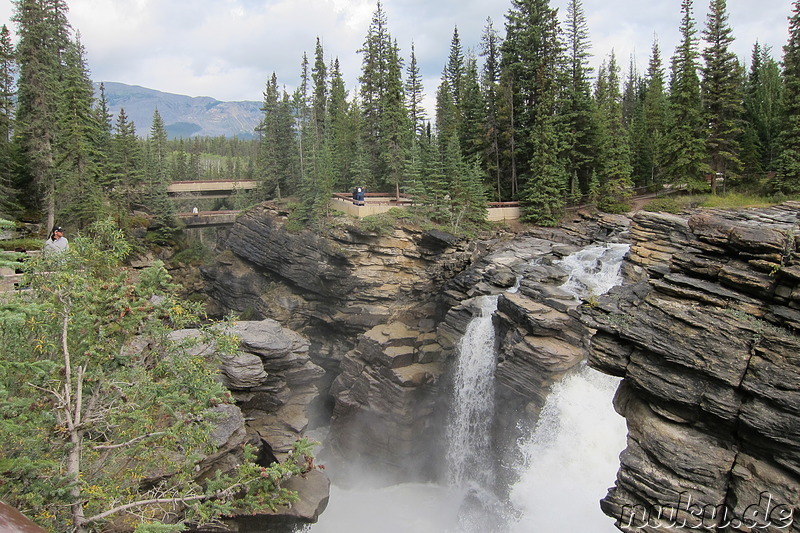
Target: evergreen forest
x=520 y=116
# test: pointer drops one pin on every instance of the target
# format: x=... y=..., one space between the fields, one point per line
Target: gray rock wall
x=707 y=343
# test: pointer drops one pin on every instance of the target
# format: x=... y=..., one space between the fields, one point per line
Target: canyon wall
x=706 y=340
x=384 y=313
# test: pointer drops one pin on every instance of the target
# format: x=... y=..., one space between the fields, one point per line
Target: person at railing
x=56 y=243
x=358 y=196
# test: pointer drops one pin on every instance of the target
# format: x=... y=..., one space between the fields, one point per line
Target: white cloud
x=228 y=49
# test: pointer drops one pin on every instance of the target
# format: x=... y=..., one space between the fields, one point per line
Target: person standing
x=56 y=243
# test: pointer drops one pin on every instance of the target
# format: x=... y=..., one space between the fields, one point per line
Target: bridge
x=210 y=188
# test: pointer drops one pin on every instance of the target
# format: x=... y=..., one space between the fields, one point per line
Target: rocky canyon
x=362 y=328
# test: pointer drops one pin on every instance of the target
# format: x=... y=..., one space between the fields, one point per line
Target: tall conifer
x=788 y=178
x=721 y=95
x=490 y=78
x=8 y=69
x=39 y=51
x=764 y=116
x=532 y=57
x=578 y=106
x=415 y=95
x=685 y=161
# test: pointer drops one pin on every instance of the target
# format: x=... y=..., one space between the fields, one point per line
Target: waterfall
x=469 y=428
x=594 y=270
x=569 y=459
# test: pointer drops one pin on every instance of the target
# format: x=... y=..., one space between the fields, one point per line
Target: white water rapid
x=570 y=458
x=594 y=270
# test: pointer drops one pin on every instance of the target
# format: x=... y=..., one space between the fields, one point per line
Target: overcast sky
x=227 y=49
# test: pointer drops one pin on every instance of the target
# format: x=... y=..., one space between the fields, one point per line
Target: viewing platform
x=375 y=203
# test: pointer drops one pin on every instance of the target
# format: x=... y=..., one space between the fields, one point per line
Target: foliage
x=92 y=427
x=520 y=119
x=378 y=224
x=788 y=178
x=664 y=205
x=195 y=253
x=729 y=201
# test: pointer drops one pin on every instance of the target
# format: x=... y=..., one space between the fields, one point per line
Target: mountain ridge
x=183 y=116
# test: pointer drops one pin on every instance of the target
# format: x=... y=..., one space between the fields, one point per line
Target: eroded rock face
x=342 y=283
x=384 y=314
x=708 y=346
x=273 y=381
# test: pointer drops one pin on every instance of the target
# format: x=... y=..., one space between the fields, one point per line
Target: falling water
x=570 y=459
x=469 y=428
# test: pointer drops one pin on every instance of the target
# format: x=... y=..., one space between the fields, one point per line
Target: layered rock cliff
x=384 y=314
x=707 y=345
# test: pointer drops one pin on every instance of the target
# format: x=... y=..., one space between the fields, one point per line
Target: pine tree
x=455 y=68
x=41 y=43
x=532 y=56
x=79 y=193
x=579 y=110
x=614 y=158
x=763 y=112
x=721 y=93
x=655 y=108
x=319 y=76
x=685 y=156
x=125 y=179
x=543 y=195
x=472 y=112
x=396 y=131
x=415 y=95
x=374 y=84
x=787 y=180
x=276 y=148
x=490 y=78
x=8 y=69
x=157 y=164
x=446 y=112
x=339 y=133
x=532 y=59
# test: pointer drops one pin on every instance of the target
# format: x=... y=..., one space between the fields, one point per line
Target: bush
x=664 y=205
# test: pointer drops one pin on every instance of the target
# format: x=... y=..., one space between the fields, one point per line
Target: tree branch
x=130 y=442
x=142 y=503
x=177 y=499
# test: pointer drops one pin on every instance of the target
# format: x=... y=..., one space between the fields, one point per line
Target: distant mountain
x=184 y=116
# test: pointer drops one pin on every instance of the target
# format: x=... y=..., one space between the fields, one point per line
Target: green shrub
x=24 y=244
x=665 y=205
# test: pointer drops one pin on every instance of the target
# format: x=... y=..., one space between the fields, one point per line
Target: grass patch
x=730 y=200
x=664 y=205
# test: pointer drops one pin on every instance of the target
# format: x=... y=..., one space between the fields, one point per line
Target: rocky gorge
x=377 y=318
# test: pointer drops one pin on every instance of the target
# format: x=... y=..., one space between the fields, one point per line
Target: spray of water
x=570 y=458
